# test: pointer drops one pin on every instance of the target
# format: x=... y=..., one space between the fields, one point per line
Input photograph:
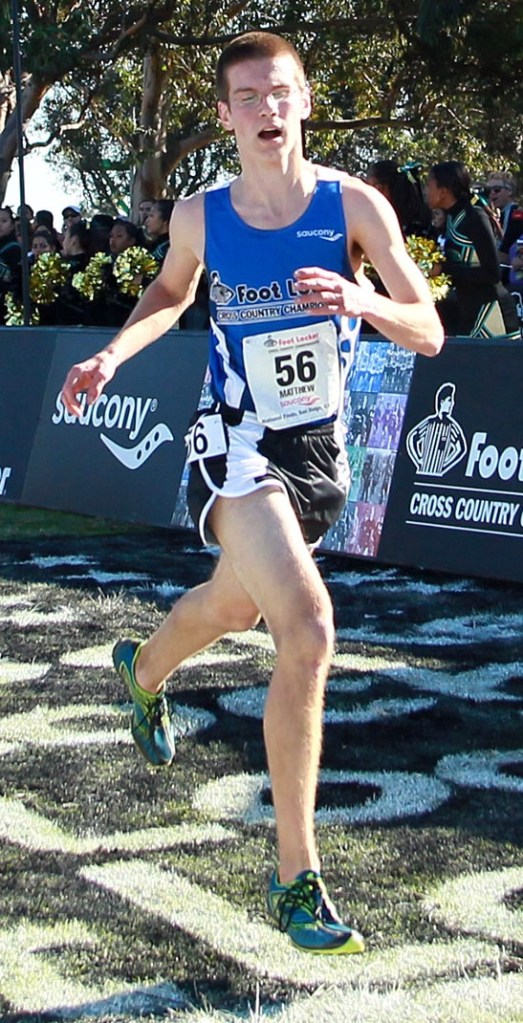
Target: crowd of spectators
x=467 y=238
x=86 y=271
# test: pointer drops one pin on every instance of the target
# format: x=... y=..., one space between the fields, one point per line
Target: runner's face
x=266 y=105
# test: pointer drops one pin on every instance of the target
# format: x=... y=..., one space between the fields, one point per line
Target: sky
x=43 y=188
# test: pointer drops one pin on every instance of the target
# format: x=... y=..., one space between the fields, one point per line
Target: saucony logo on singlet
x=325 y=234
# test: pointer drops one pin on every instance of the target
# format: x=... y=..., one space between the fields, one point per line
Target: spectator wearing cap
x=501 y=191
x=71 y=215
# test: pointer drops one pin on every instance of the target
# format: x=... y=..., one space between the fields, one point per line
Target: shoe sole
x=354 y=946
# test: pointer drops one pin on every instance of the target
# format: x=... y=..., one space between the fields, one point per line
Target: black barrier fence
x=435 y=445
x=124 y=457
x=456 y=499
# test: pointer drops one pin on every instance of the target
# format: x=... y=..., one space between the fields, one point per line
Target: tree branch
x=177 y=149
x=141 y=20
x=359 y=122
x=286 y=28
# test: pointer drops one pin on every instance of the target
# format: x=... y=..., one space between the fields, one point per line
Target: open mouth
x=270 y=133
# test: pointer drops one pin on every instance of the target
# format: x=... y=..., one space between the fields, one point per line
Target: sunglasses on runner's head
x=495 y=188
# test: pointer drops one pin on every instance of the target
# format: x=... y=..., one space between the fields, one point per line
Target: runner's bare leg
x=196 y=620
x=263 y=540
x=266 y=565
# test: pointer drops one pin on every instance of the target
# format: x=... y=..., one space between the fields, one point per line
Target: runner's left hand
x=330 y=293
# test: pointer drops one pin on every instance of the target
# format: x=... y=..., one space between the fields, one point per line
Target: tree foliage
x=126 y=91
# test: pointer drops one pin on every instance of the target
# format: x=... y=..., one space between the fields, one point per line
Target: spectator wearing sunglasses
x=501 y=190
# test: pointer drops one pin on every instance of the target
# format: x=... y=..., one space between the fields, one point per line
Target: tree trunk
x=148 y=179
x=33 y=93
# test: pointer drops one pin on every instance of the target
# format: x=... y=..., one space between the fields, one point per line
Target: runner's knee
x=308 y=638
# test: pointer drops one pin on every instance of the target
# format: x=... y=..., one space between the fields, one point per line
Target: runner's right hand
x=90 y=376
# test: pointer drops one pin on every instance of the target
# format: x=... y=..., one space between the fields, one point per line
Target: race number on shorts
x=206 y=438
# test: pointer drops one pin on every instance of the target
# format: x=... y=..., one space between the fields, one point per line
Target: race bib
x=206 y=438
x=293 y=375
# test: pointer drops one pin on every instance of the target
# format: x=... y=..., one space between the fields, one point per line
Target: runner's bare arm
x=408 y=316
x=161 y=305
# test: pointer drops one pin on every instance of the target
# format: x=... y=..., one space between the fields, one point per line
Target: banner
x=24 y=367
x=435 y=445
x=124 y=457
x=456 y=500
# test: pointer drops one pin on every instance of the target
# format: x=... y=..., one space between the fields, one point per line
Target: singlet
x=259 y=339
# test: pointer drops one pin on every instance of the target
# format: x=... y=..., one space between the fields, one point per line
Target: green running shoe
x=151 y=725
x=302 y=909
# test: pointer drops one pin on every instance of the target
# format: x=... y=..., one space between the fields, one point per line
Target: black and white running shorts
x=308 y=463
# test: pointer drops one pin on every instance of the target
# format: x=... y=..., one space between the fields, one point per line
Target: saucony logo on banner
x=117 y=412
x=133 y=458
x=4 y=476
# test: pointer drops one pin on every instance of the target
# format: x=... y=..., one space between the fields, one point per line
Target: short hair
x=505 y=177
x=253 y=46
x=164 y=207
x=452 y=174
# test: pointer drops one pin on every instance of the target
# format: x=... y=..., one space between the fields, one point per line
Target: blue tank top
x=251 y=283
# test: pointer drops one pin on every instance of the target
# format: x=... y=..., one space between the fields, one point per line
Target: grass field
x=20 y=523
x=128 y=893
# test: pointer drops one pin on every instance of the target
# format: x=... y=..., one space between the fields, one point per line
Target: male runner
x=282 y=245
